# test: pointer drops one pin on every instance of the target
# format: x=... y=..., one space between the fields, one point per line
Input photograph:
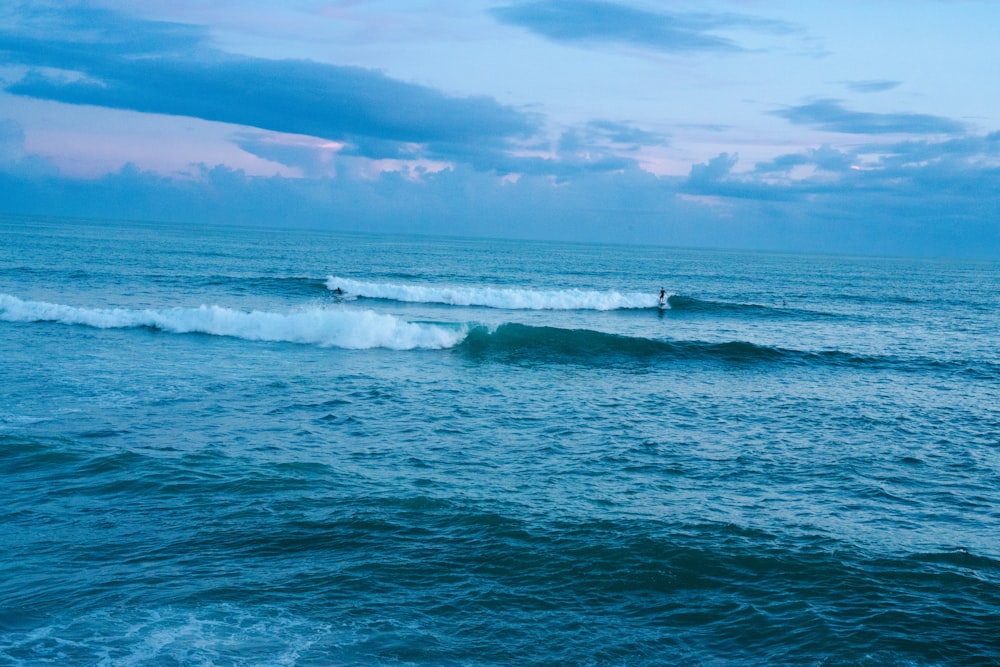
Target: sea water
x=272 y=447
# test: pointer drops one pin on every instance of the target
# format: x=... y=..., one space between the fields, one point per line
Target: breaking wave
x=507 y=343
x=352 y=329
x=497 y=297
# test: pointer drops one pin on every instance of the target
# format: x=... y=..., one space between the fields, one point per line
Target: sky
x=861 y=127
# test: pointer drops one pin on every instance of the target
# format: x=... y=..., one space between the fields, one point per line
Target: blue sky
x=848 y=127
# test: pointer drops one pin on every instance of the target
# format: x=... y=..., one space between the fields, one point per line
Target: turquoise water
x=490 y=452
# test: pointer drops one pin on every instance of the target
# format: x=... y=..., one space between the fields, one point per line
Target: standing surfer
x=663 y=297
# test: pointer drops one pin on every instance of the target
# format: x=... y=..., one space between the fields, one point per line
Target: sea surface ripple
x=490 y=453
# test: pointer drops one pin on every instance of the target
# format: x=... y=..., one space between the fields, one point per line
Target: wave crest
x=318 y=326
x=497 y=297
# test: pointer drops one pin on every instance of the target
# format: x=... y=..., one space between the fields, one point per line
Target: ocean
x=227 y=446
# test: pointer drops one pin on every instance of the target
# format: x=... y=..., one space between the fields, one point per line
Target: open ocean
x=490 y=452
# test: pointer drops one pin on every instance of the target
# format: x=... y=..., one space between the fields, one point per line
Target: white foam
x=210 y=635
x=353 y=329
x=498 y=297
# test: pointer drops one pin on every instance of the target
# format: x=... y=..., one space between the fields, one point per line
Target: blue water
x=490 y=452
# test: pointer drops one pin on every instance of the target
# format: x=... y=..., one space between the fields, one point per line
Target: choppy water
x=490 y=452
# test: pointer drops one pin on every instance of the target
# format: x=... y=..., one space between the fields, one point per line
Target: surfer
x=338 y=292
x=663 y=297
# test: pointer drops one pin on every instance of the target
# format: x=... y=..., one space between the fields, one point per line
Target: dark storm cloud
x=597 y=21
x=101 y=58
x=832 y=116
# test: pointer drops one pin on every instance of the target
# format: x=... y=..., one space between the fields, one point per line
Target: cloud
x=715 y=170
x=13 y=158
x=908 y=198
x=832 y=116
x=103 y=58
x=872 y=86
x=825 y=158
x=312 y=157
x=599 y=21
x=598 y=144
x=331 y=124
x=971 y=150
x=715 y=179
x=625 y=134
x=54 y=31
x=896 y=207
x=11 y=142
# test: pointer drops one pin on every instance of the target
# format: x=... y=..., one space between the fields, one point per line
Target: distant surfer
x=338 y=292
x=663 y=297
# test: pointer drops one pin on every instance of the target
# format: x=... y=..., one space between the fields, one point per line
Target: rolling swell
x=508 y=343
x=520 y=343
x=681 y=304
x=282 y=286
x=523 y=343
x=326 y=567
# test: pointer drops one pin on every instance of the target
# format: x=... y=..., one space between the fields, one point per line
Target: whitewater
x=495 y=297
x=274 y=447
x=320 y=326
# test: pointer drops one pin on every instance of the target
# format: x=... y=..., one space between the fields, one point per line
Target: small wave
x=318 y=326
x=780 y=309
x=690 y=304
x=497 y=297
x=959 y=557
x=513 y=342
x=289 y=285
